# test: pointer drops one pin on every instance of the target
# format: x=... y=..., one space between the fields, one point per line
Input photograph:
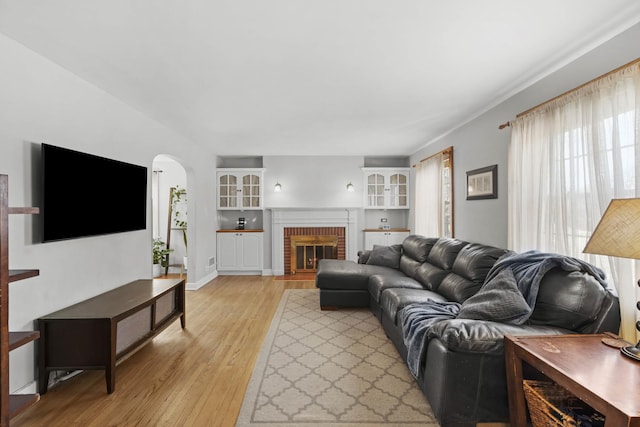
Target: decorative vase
x=184 y=262
x=157 y=270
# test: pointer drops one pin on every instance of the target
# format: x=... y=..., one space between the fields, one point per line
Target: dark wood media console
x=103 y=330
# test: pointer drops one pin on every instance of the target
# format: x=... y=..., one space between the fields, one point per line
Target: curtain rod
x=603 y=76
x=447 y=150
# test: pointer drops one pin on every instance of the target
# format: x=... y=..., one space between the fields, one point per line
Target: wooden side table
x=595 y=373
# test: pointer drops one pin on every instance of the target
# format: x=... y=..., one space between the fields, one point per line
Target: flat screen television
x=87 y=195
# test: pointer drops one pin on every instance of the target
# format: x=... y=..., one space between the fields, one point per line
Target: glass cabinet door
x=375 y=190
x=398 y=190
x=240 y=189
x=386 y=187
x=228 y=191
x=251 y=191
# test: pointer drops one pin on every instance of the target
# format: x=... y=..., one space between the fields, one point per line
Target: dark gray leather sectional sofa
x=462 y=372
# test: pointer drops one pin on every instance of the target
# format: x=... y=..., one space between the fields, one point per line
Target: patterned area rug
x=330 y=368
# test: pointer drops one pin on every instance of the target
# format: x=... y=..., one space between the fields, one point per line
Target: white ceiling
x=313 y=77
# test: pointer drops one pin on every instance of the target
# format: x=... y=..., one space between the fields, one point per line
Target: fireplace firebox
x=306 y=251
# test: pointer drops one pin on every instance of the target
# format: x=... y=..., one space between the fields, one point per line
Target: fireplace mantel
x=282 y=218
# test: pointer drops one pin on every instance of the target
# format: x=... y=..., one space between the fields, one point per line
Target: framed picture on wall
x=482 y=183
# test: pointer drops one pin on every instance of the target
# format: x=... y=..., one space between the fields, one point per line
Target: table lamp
x=618 y=234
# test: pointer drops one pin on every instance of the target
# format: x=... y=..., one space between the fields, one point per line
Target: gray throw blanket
x=529 y=268
x=508 y=295
x=416 y=320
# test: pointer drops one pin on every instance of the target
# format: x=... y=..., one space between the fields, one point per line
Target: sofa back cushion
x=409 y=266
x=469 y=271
x=430 y=276
x=570 y=300
x=418 y=247
x=475 y=260
x=444 y=252
x=415 y=250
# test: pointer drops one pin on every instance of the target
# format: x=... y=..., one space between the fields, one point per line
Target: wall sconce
x=350 y=187
x=278 y=187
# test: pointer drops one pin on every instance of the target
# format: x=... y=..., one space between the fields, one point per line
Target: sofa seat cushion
x=380 y=282
x=393 y=300
x=348 y=275
x=480 y=336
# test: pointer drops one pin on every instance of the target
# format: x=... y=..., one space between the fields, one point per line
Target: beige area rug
x=330 y=369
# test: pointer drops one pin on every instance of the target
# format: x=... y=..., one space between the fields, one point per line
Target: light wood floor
x=192 y=377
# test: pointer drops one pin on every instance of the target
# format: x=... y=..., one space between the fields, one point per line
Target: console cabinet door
x=383 y=238
x=228 y=250
x=396 y=237
x=238 y=251
x=251 y=251
x=386 y=188
x=374 y=238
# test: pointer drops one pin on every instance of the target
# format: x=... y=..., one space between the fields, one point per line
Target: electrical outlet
x=383 y=219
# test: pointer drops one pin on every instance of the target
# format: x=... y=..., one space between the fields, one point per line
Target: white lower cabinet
x=240 y=251
x=383 y=238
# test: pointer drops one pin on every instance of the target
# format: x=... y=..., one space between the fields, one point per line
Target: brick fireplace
x=318 y=240
x=287 y=222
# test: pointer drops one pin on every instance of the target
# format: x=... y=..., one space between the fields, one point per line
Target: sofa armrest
x=481 y=336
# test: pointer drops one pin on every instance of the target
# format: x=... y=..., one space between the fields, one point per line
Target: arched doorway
x=169 y=174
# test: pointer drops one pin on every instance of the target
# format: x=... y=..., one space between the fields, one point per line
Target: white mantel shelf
x=282 y=218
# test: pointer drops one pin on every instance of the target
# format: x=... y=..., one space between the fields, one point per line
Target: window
x=567 y=160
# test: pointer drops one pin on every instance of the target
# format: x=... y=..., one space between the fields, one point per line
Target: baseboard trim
x=194 y=286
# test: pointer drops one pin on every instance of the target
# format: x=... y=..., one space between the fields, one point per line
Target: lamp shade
x=618 y=232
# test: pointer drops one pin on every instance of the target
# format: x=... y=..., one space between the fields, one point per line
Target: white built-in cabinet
x=240 y=189
x=240 y=251
x=383 y=237
x=386 y=188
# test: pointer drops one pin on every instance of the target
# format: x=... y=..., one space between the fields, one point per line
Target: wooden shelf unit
x=11 y=405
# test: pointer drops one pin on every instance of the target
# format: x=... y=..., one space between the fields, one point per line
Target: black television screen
x=87 y=195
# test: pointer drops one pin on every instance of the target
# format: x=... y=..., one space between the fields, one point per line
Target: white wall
x=313 y=182
x=41 y=102
x=480 y=143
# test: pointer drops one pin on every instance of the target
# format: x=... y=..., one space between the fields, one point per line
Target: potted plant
x=160 y=253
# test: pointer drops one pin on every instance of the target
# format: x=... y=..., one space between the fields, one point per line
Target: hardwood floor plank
x=191 y=377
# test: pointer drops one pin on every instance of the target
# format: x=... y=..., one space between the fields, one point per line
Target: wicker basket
x=545 y=400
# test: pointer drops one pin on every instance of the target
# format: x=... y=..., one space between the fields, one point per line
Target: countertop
x=366 y=230
x=233 y=230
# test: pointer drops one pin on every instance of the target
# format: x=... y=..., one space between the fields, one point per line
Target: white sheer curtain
x=428 y=197
x=567 y=160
